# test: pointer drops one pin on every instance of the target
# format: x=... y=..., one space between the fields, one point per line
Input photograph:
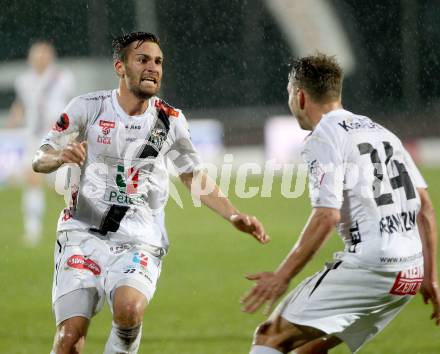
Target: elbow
x=427 y=209
x=426 y=213
x=35 y=165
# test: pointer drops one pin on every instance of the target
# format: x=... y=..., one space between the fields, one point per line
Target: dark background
x=229 y=58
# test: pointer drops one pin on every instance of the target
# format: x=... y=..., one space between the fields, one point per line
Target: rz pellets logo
x=127 y=183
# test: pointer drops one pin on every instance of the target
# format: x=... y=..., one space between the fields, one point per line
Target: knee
x=129 y=314
x=267 y=335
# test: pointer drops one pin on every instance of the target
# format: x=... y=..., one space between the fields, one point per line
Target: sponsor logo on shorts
x=119 y=248
x=81 y=262
x=140 y=258
x=141 y=271
x=62 y=123
x=408 y=282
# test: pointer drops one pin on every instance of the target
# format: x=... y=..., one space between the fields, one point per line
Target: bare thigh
x=319 y=346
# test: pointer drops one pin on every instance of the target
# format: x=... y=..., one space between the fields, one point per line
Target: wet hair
x=121 y=44
x=319 y=75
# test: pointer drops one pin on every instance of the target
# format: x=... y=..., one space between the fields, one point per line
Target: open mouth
x=149 y=80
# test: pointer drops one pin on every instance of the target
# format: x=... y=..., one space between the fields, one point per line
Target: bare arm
x=48 y=160
x=203 y=187
x=428 y=234
x=321 y=223
x=270 y=286
x=16 y=115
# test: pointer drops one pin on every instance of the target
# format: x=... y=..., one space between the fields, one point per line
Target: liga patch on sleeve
x=62 y=123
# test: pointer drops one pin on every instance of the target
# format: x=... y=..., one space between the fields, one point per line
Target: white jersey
x=124 y=182
x=361 y=168
x=43 y=97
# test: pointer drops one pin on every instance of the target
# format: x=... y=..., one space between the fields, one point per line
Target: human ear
x=119 y=68
x=301 y=99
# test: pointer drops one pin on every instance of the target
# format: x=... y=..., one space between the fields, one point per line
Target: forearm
x=317 y=230
x=428 y=234
x=16 y=115
x=47 y=160
x=204 y=188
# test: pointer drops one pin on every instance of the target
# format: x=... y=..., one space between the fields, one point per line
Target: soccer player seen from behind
x=111 y=239
x=363 y=182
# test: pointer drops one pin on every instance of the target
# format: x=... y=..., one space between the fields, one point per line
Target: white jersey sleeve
x=183 y=154
x=70 y=124
x=325 y=172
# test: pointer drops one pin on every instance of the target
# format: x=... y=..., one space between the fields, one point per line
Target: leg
x=73 y=312
x=33 y=208
x=319 y=346
x=71 y=335
x=128 y=311
x=281 y=336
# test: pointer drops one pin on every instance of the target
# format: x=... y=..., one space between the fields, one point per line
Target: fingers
x=261 y=237
x=74 y=153
x=251 y=225
x=253 y=276
x=269 y=307
x=254 y=299
x=258 y=231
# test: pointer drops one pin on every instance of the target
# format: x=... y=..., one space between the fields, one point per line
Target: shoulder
x=89 y=103
x=24 y=79
x=170 y=111
x=328 y=135
x=97 y=96
x=92 y=99
x=64 y=75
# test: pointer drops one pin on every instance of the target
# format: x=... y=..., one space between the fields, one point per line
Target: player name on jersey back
x=362 y=169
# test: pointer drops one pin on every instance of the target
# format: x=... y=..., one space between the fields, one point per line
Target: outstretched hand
x=250 y=225
x=430 y=292
x=268 y=289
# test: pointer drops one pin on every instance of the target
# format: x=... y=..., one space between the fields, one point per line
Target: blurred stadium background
x=226 y=65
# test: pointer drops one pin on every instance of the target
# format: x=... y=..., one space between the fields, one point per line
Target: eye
x=159 y=61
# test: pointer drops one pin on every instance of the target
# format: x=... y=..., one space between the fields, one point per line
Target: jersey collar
x=122 y=113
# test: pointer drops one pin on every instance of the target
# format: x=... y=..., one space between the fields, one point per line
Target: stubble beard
x=135 y=89
x=141 y=94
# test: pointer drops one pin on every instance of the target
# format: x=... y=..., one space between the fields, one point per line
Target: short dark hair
x=320 y=75
x=120 y=44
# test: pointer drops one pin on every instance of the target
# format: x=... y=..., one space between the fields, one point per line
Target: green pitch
x=196 y=307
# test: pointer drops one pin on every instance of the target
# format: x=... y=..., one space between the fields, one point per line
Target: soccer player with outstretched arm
x=363 y=182
x=111 y=239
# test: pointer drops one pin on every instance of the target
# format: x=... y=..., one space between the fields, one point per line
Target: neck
x=42 y=69
x=318 y=110
x=131 y=104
